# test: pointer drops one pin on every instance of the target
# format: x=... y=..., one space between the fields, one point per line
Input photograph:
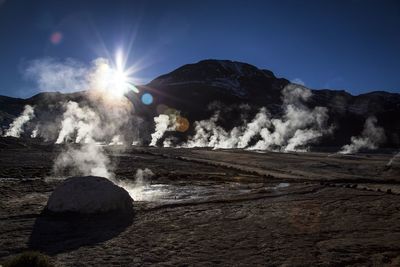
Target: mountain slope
x=194 y=86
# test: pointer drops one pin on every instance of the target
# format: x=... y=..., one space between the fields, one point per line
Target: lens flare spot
x=56 y=38
x=182 y=124
x=147 y=99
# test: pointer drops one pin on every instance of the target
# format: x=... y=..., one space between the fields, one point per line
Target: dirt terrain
x=224 y=207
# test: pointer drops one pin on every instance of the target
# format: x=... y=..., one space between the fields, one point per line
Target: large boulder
x=89 y=195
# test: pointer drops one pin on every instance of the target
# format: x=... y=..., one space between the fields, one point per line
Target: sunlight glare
x=112 y=79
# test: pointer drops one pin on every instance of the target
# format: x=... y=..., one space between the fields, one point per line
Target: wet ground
x=205 y=207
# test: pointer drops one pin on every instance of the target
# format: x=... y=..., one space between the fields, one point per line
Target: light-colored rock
x=89 y=195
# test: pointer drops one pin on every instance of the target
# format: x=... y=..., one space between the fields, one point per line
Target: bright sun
x=113 y=80
x=118 y=83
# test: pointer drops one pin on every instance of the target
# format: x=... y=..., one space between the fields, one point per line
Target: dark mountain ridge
x=196 y=90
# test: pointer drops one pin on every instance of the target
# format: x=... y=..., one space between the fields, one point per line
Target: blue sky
x=352 y=45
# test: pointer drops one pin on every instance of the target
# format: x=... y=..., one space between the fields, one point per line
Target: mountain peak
x=238 y=77
x=216 y=68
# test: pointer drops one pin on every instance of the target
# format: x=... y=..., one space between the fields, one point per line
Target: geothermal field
x=199 y=133
x=210 y=207
x=131 y=177
x=119 y=175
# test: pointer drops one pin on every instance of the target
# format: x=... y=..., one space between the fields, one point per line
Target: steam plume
x=142 y=175
x=298 y=127
x=163 y=123
x=203 y=131
x=80 y=125
x=16 y=127
x=168 y=142
x=254 y=128
x=35 y=131
x=83 y=121
x=116 y=140
x=85 y=126
x=371 y=137
x=88 y=159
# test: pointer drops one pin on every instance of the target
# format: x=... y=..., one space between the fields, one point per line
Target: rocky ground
x=206 y=207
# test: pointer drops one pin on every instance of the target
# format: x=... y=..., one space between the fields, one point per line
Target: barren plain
x=213 y=207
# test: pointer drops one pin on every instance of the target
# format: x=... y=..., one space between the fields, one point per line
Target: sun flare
x=112 y=79
x=117 y=82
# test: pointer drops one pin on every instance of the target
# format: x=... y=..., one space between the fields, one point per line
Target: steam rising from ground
x=371 y=137
x=102 y=119
x=163 y=123
x=254 y=127
x=16 y=127
x=80 y=125
x=116 y=140
x=141 y=189
x=78 y=121
x=86 y=159
x=35 y=131
x=298 y=127
x=90 y=128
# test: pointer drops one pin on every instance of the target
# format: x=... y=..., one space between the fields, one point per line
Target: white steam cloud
x=35 y=132
x=207 y=133
x=89 y=128
x=80 y=125
x=260 y=122
x=78 y=121
x=371 y=137
x=116 y=140
x=163 y=123
x=16 y=127
x=168 y=142
x=55 y=75
x=298 y=127
x=87 y=159
x=142 y=176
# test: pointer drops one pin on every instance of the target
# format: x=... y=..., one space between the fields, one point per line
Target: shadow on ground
x=54 y=234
